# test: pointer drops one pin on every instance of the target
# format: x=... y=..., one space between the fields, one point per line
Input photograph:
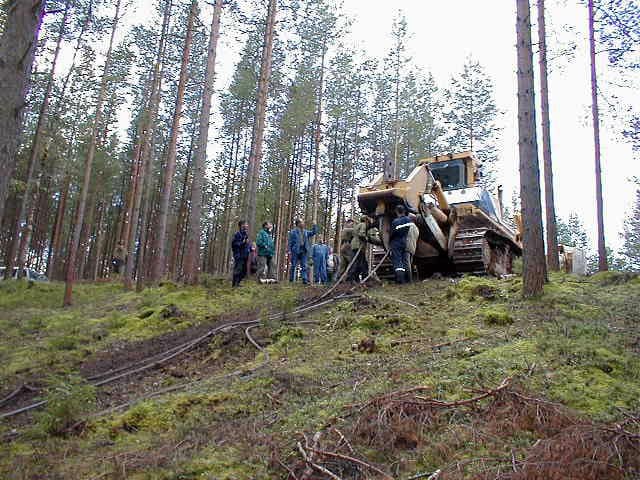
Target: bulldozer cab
x=453 y=171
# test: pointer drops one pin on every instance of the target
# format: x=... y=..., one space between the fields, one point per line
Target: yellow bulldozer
x=460 y=223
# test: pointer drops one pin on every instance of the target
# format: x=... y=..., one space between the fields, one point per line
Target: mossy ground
x=578 y=344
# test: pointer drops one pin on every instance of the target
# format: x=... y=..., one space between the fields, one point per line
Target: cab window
x=451 y=175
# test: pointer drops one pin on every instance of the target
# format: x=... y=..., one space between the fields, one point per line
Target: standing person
x=299 y=248
x=320 y=257
x=346 y=252
x=398 y=243
x=412 y=242
x=364 y=232
x=241 y=248
x=119 y=257
x=333 y=264
x=266 y=252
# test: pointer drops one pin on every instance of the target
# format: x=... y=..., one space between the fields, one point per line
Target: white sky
x=445 y=33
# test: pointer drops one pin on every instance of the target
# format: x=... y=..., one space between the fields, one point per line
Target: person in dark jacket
x=241 y=247
x=398 y=243
x=300 y=248
x=266 y=252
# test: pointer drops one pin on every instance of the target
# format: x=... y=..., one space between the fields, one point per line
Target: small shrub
x=63 y=343
x=68 y=399
x=497 y=317
x=286 y=334
x=371 y=322
x=170 y=311
x=146 y=313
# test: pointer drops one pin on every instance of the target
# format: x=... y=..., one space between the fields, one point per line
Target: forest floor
x=440 y=379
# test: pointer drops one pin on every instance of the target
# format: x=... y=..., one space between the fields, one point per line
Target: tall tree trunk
x=26 y=205
x=255 y=156
x=192 y=254
x=56 y=235
x=91 y=151
x=159 y=265
x=602 y=250
x=317 y=136
x=553 y=261
x=17 y=50
x=533 y=242
x=145 y=143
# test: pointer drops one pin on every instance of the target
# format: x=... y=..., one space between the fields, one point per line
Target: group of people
x=248 y=255
x=258 y=257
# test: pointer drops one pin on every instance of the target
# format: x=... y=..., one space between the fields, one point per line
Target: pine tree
x=255 y=157
x=17 y=49
x=630 y=251
x=533 y=243
x=472 y=118
x=84 y=190
x=572 y=232
x=553 y=262
x=192 y=254
x=159 y=264
x=602 y=250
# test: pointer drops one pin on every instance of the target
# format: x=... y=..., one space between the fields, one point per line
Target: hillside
x=440 y=379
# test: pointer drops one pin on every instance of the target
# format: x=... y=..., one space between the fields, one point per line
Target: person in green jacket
x=266 y=252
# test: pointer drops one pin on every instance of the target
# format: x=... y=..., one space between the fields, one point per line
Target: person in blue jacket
x=398 y=243
x=320 y=257
x=241 y=247
x=300 y=248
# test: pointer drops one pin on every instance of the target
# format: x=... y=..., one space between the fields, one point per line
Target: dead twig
x=404 y=302
x=291 y=473
x=315 y=466
x=357 y=461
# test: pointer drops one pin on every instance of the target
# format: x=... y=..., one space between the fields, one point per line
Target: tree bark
x=26 y=205
x=255 y=156
x=553 y=261
x=533 y=242
x=159 y=265
x=317 y=137
x=602 y=251
x=56 y=235
x=17 y=50
x=192 y=254
x=145 y=151
x=84 y=190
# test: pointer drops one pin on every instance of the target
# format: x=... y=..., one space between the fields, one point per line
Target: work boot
x=400 y=276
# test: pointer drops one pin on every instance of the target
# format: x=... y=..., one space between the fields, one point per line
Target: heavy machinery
x=460 y=223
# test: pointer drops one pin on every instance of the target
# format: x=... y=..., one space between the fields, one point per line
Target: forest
x=305 y=120
x=138 y=137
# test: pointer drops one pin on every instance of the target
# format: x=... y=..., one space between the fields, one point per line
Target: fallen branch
x=317 y=467
x=458 y=403
x=404 y=302
x=362 y=463
x=362 y=282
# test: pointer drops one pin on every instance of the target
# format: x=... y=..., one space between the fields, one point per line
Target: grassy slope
x=578 y=344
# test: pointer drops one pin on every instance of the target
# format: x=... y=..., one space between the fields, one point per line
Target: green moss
x=613 y=278
x=593 y=391
x=474 y=288
x=222 y=463
x=495 y=316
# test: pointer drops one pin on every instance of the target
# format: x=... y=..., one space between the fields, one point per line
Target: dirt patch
x=124 y=353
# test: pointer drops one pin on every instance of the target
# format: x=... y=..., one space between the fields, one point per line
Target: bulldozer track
x=481 y=251
x=468 y=251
